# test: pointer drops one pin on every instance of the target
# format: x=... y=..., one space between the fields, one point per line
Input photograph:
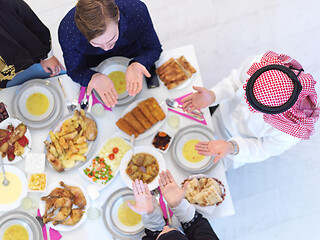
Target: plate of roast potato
x=71 y=142
x=15 y=140
x=142 y=118
x=145 y=164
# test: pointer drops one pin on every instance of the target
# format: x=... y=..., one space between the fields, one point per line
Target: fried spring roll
x=133 y=123
x=155 y=109
x=141 y=118
x=124 y=126
x=145 y=110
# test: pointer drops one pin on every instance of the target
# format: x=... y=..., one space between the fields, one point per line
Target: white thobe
x=233 y=120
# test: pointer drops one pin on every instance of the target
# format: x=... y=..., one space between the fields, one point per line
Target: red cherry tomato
x=111 y=156
x=115 y=150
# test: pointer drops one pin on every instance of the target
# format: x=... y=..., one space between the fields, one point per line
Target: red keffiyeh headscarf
x=273 y=88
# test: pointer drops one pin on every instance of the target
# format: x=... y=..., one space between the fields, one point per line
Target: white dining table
x=91 y=229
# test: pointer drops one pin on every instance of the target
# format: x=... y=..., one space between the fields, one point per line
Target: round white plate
x=185 y=134
x=21 y=218
x=116 y=220
x=27 y=93
x=111 y=221
x=179 y=147
x=61 y=227
x=15 y=123
x=142 y=149
x=89 y=162
x=163 y=59
x=58 y=104
x=24 y=190
x=115 y=64
x=151 y=130
x=91 y=144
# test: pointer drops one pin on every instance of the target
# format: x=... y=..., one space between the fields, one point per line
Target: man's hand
x=200 y=99
x=143 y=198
x=105 y=88
x=134 y=77
x=170 y=190
x=217 y=148
x=52 y=65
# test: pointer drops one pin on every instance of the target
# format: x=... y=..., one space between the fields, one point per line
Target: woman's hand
x=217 y=148
x=134 y=77
x=104 y=87
x=170 y=190
x=52 y=65
x=200 y=99
x=143 y=198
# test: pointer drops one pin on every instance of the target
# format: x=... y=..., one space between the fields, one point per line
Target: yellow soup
x=119 y=81
x=10 y=193
x=16 y=232
x=190 y=153
x=37 y=104
x=128 y=217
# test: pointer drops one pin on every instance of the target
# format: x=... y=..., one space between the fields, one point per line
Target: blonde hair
x=91 y=16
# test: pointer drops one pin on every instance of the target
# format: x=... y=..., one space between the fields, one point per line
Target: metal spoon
x=84 y=103
x=191 y=114
x=5 y=180
x=174 y=104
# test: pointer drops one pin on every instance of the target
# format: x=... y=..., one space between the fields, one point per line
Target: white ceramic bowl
x=169 y=144
x=141 y=149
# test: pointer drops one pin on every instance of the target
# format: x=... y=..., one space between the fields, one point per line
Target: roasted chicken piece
x=61 y=202
x=48 y=205
x=63 y=213
x=79 y=198
x=60 y=193
x=75 y=217
x=55 y=162
x=90 y=129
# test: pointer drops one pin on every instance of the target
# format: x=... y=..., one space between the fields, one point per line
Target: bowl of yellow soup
x=183 y=150
x=36 y=103
x=119 y=219
x=19 y=225
x=115 y=68
x=11 y=195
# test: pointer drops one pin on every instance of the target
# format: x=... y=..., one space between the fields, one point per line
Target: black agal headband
x=279 y=109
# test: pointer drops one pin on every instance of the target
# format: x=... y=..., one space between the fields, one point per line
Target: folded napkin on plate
x=54 y=234
x=94 y=98
x=185 y=114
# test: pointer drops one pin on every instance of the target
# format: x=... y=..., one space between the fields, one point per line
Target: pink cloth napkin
x=94 y=98
x=54 y=235
x=163 y=206
x=184 y=114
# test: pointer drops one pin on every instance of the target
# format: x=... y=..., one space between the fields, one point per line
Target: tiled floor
x=278 y=198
